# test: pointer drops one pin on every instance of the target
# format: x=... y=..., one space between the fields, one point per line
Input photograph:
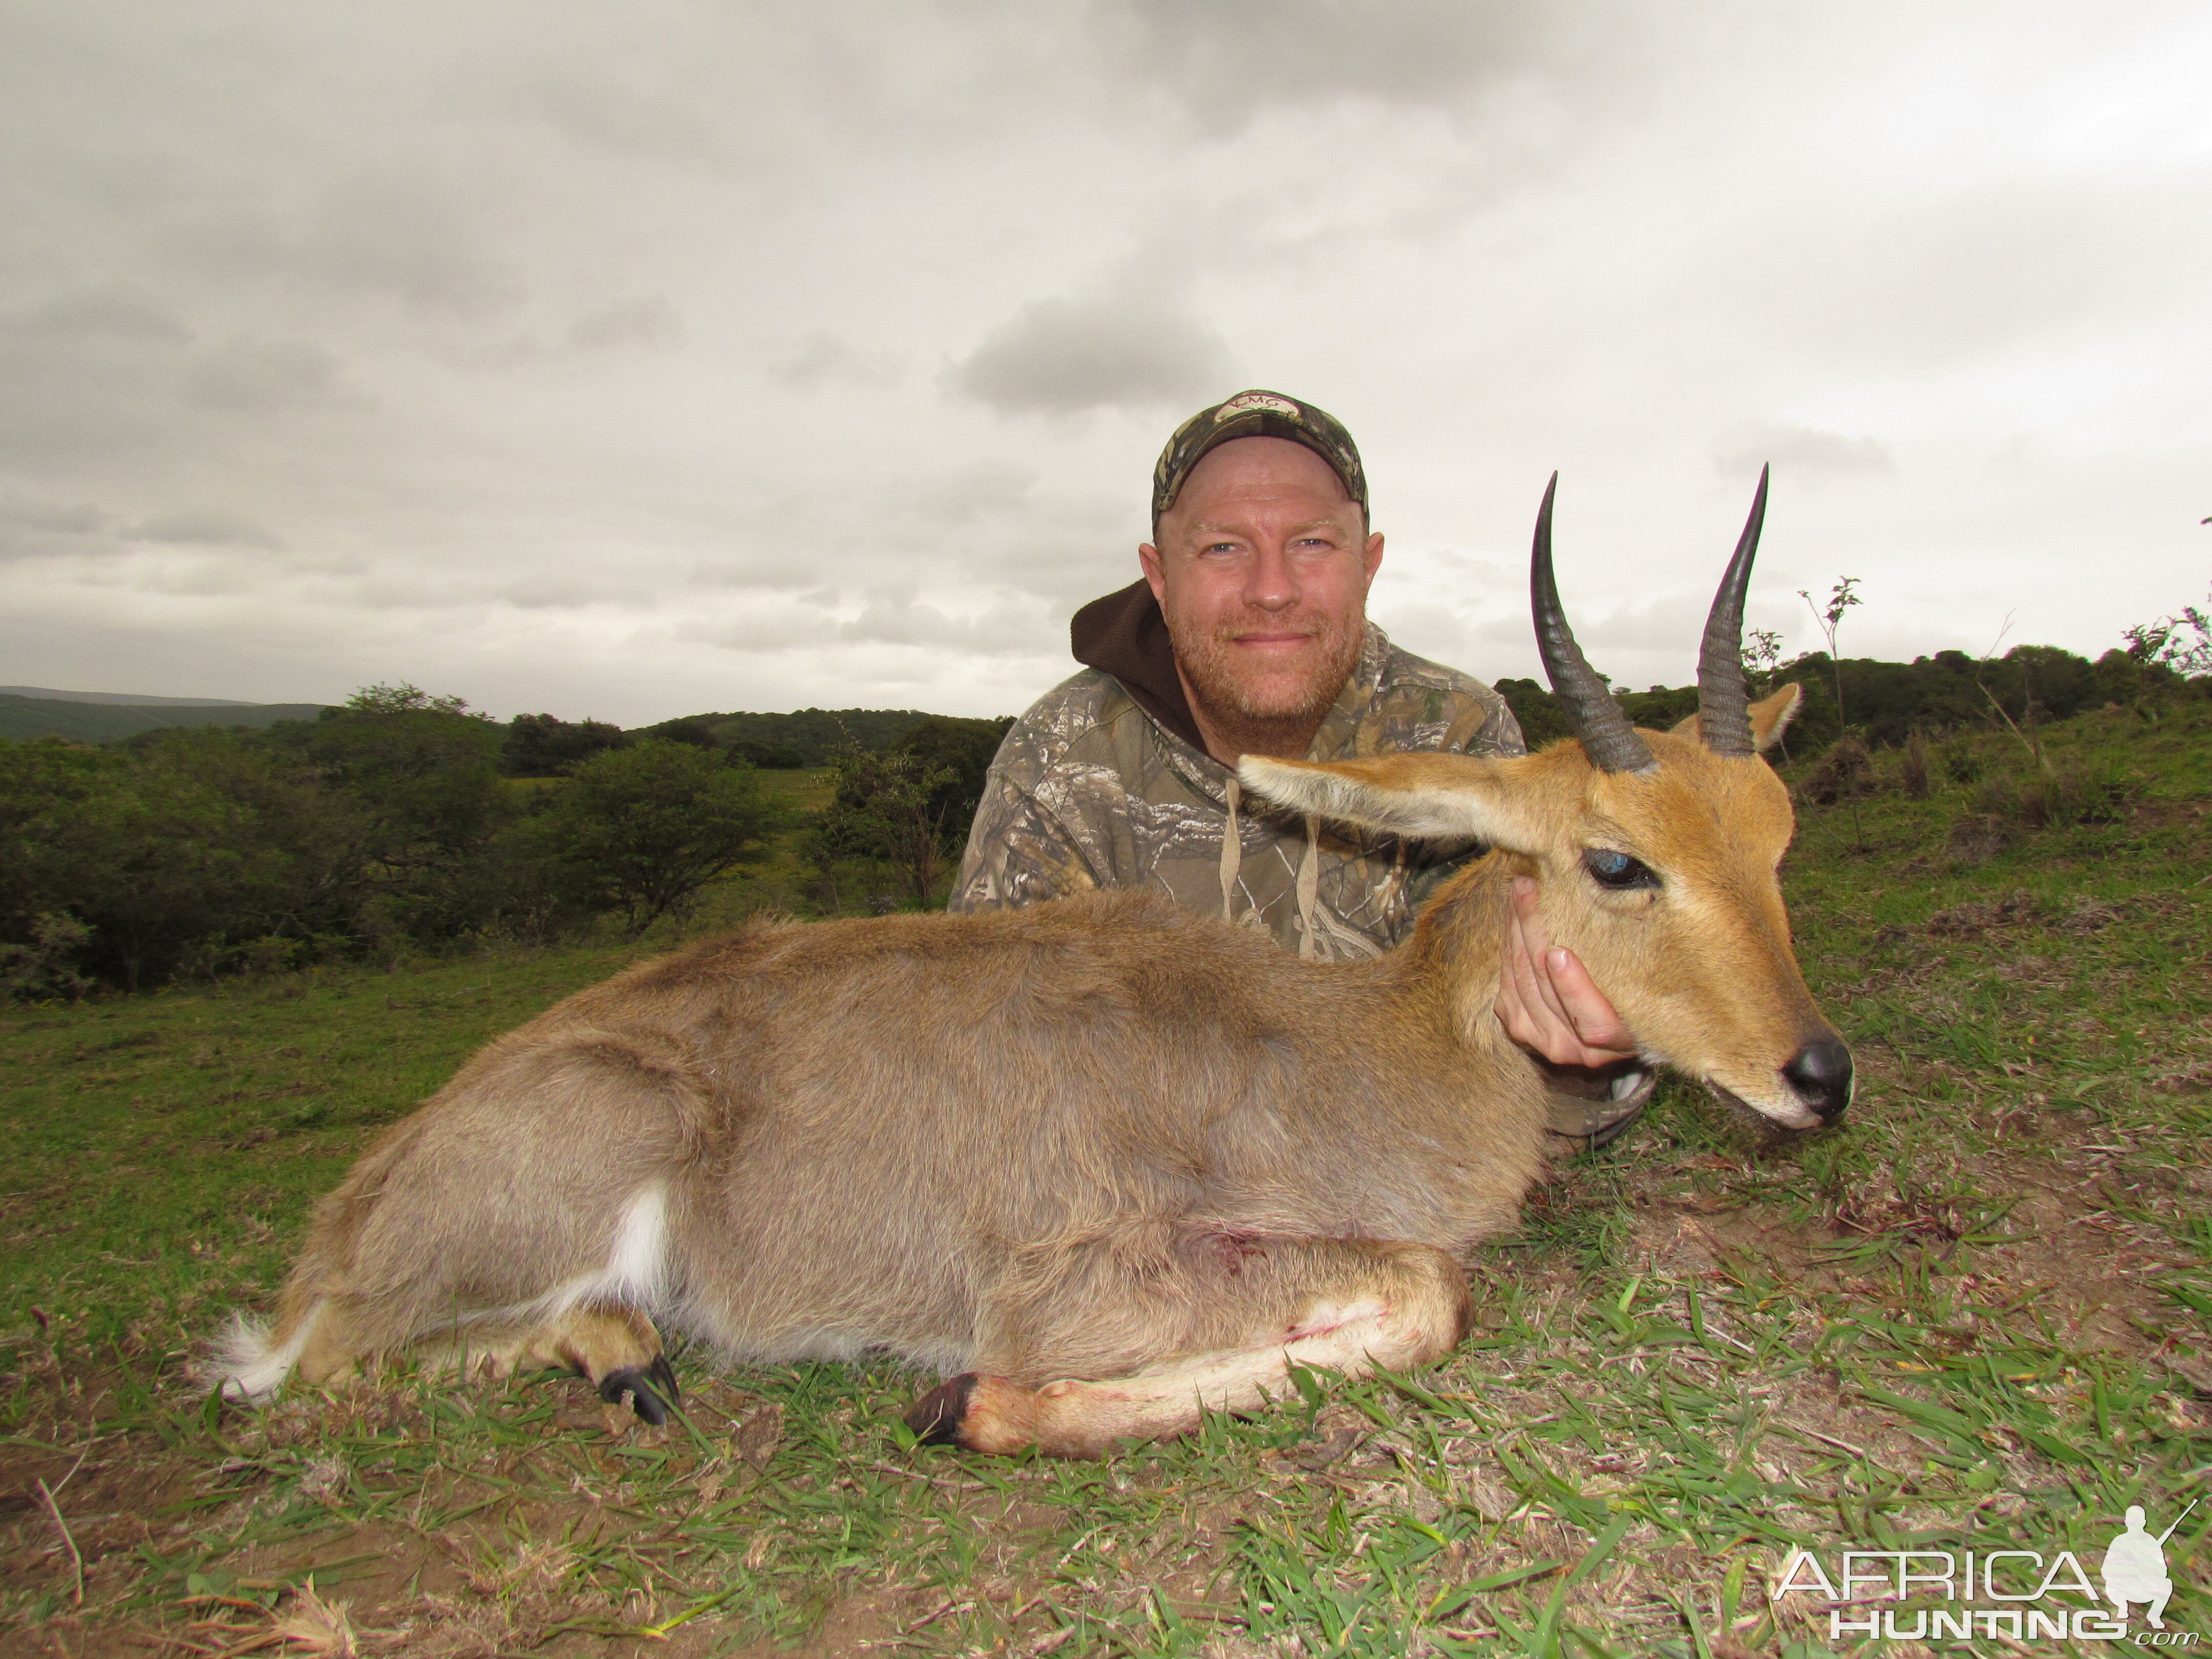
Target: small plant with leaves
x=2181 y=644
x=1762 y=655
x=1830 y=621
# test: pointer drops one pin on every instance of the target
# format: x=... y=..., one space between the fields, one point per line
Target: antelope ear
x=1421 y=796
x=1770 y=718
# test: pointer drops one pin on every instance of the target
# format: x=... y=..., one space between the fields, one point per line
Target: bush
x=46 y=965
x=1913 y=770
x=1977 y=837
x=1962 y=760
x=889 y=814
x=199 y=851
x=542 y=746
x=2068 y=793
x=1543 y=718
x=641 y=829
x=1841 y=773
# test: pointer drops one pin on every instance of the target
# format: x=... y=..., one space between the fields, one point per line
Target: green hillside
x=816 y=734
x=22 y=719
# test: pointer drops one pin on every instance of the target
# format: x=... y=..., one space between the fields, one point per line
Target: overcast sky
x=636 y=360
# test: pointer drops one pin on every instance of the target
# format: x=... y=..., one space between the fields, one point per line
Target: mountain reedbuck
x=1103 y=1163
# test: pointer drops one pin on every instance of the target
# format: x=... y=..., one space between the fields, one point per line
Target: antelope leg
x=1342 y=1305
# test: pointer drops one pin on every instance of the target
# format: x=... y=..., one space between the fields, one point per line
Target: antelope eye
x=1616 y=870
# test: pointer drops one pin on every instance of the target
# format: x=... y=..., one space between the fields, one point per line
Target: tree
x=544 y=746
x=641 y=829
x=964 y=749
x=424 y=772
x=1543 y=718
x=888 y=810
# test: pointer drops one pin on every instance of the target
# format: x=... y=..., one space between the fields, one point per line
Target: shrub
x=2068 y=793
x=1913 y=770
x=889 y=813
x=641 y=829
x=1962 y=760
x=1977 y=837
x=544 y=746
x=46 y=965
x=1841 y=774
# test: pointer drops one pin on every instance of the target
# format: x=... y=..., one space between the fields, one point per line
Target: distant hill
x=79 y=720
x=128 y=699
x=815 y=733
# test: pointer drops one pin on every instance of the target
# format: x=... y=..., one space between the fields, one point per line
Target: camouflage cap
x=1256 y=414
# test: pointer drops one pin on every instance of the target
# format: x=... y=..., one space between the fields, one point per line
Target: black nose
x=1820 y=1073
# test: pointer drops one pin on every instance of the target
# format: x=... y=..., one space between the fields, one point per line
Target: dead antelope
x=1104 y=1163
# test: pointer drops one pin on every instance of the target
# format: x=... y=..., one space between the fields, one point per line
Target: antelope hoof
x=978 y=1413
x=936 y=1417
x=643 y=1387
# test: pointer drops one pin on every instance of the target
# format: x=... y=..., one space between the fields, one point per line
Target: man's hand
x=1545 y=1000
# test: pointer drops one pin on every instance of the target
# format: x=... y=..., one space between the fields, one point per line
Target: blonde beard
x=1282 y=720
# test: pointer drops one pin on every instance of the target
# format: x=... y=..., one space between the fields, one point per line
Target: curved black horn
x=1606 y=737
x=1723 y=697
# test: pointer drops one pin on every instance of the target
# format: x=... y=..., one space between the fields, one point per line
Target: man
x=1248 y=634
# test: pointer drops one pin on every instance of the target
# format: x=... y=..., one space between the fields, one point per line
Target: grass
x=1975 y=1317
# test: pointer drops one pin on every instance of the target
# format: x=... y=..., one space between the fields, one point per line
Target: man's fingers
x=1594 y=1020
x=1529 y=1010
x=1546 y=999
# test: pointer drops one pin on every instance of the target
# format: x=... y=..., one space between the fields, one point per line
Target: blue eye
x=1616 y=870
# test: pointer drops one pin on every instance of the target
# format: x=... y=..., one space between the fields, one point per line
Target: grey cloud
x=77 y=519
x=35 y=529
x=115 y=312
x=1063 y=356
x=650 y=320
x=765 y=630
x=1228 y=62
x=259 y=377
x=1797 y=451
x=767 y=572
x=402 y=238
x=981 y=490
x=608 y=110
x=890 y=616
x=414 y=238
x=206 y=527
x=823 y=359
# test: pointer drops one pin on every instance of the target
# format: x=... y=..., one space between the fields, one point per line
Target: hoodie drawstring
x=1232 y=852
x=1310 y=891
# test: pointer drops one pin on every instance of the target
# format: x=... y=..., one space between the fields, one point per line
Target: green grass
x=1974 y=1318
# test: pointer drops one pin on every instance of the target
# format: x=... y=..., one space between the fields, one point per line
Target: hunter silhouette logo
x=2135 y=1567
x=1873 y=1592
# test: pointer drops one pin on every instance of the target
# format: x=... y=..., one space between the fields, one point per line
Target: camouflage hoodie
x=1105 y=783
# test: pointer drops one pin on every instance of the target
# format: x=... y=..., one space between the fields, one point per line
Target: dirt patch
x=2169 y=814
x=2017 y=908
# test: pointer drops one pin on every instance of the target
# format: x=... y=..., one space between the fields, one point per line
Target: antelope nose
x=1820 y=1073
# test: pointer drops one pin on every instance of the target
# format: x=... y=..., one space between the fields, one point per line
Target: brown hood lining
x=1124 y=634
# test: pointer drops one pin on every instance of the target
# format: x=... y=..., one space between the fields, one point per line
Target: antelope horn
x=1606 y=737
x=1723 y=698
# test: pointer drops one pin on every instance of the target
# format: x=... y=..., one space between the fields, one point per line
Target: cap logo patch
x=1245 y=403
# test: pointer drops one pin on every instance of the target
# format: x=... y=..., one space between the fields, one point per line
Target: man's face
x=1262 y=570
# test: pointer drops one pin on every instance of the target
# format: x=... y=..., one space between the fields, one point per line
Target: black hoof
x=664 y=1379
x=936 y=1417
x=634 y=1383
